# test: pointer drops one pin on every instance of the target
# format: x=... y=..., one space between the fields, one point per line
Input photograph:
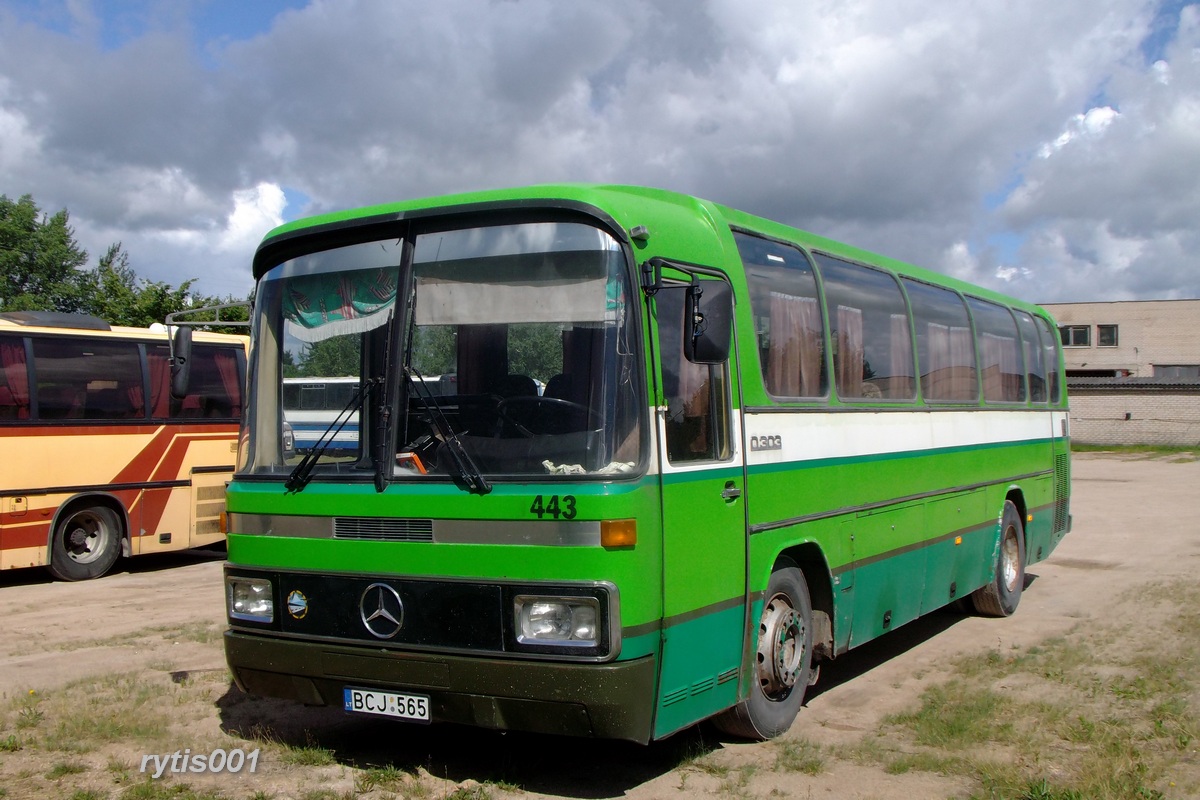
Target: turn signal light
x=618 y=532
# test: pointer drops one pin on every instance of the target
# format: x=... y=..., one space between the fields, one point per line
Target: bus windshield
x=511 y=343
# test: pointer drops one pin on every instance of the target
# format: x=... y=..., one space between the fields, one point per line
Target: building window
x=1075 y=335
x=1106 y=335
x=1177 y=370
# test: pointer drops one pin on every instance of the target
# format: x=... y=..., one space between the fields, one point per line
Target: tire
x=783 y=662
x=86 y=543
x=1000 y=597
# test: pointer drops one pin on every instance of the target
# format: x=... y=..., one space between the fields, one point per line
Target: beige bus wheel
x=783 y=661
x=1000 y=597
x=87 y=541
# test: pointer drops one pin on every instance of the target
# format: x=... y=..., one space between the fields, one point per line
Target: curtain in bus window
x=848 y=359
x=1010 y=370
x=1050 y=349
x=936 y=383
x=1036 y=377
x=962 y=360
x=1031 y=348
x=227 y=368
x=160 y=376
x=794 y=354
x=899 y=385
x=332 y=304
x=14 y=400
x=993 y=383
x=950 y=374
x=134 y=395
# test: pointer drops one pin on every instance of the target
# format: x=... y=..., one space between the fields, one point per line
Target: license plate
x=388 y=704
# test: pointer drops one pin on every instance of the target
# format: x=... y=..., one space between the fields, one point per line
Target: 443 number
x=554 y=506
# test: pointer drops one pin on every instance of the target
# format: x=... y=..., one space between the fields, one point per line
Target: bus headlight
x=562 y=621
x=249 y=599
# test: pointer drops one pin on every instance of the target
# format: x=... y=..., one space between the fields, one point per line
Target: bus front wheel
x=86 y=543
x=782 y=661
x=1000 y=597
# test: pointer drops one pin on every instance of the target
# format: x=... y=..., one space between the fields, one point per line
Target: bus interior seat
x=60 y=402
x=9 y=408
x=514 y=385
x=562 y=387
x=191 y=406
x=107 y=404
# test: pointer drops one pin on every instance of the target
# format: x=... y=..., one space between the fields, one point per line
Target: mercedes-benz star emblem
x=381 y=610
x=297 y=604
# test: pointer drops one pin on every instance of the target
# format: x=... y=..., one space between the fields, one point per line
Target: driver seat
x=514 y=385
x=562 y=386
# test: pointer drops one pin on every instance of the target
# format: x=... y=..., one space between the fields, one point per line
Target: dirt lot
x=97 y=675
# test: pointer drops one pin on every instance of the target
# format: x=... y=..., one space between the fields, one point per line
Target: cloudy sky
x=1048 y=149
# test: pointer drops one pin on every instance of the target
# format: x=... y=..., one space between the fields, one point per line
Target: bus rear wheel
x=1000 y=597
x=782 y=662
x=86 y=543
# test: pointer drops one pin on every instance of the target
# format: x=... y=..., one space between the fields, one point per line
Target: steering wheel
x=507 y=404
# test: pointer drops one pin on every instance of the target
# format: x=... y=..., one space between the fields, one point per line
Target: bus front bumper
x=612 y=701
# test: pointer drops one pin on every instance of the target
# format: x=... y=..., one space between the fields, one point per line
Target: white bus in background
x=310 y=405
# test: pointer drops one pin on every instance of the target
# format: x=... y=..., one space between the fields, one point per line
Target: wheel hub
x=1009 y=559
x=79 y=539
x=780 y=647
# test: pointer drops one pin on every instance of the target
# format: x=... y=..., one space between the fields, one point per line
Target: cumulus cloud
x=927 y=130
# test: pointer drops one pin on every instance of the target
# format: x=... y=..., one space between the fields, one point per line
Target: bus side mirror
x=708 y=322
x=181 y=356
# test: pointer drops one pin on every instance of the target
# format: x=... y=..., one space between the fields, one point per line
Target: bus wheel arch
x=781 y=669
x=1017 y=498
x=86 y=538
x=811 y=562
x=1000 y=596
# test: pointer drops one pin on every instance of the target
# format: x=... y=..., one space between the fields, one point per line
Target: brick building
x=1133 y=370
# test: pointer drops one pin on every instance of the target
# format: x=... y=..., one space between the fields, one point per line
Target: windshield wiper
x=468 y=472
x=302 y=473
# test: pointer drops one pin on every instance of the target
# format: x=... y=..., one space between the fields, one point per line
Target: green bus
x=678 y=456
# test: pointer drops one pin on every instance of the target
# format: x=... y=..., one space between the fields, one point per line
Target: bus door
x=703 y=525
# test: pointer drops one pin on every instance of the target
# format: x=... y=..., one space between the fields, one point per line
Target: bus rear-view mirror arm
x=181 y=340
x=707 y=313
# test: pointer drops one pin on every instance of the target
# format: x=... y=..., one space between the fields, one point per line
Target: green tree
x=40 y=261
x=332 y=358
x=435 y=349
x=535 y=349
x=42 y=268
x=238 y=310
x=119 y=296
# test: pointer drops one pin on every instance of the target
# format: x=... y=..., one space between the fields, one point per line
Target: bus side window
x=14 y=389
x=697 y=420
x=868 y=326
x=215 y=385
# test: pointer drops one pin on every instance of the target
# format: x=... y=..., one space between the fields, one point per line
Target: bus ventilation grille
x=1062 y=485
x=382 y=529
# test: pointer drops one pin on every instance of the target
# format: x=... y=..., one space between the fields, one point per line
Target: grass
x=77 y=741
x=200 y=632
x=1088 y=715
x=64 y=768
x=387 y=779
x=799 y=755
x=1181 y=452
x=309 y=754
x=160 y=790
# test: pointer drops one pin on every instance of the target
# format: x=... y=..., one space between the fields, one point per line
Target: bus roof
x=698 y=226
x=26 y=322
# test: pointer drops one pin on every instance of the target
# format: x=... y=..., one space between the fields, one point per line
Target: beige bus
x=97 y=458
